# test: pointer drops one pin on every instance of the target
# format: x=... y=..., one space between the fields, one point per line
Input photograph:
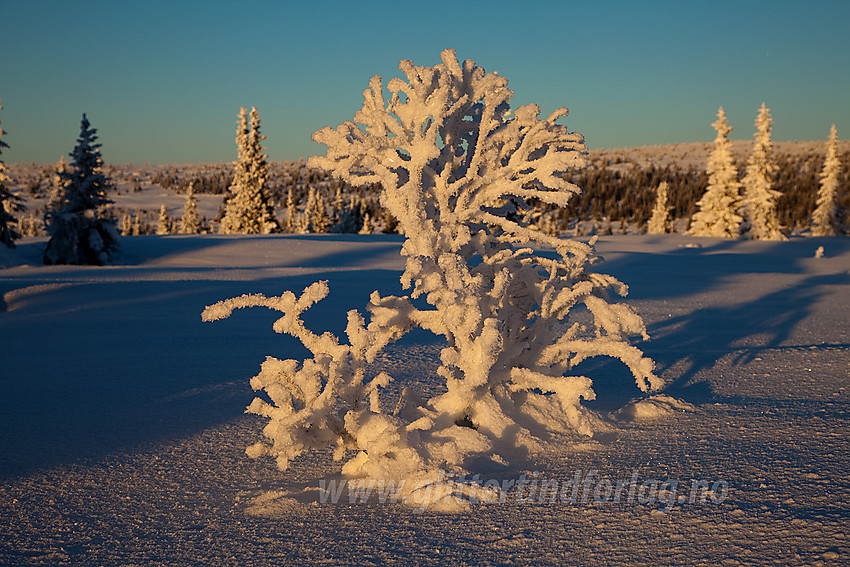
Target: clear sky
x=163 y=81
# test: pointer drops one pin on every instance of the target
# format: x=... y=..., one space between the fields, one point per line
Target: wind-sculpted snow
x=457 y=170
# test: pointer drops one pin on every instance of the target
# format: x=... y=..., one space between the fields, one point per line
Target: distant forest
x=618 y=193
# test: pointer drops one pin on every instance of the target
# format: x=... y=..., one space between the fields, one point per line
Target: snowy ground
x=122 y=435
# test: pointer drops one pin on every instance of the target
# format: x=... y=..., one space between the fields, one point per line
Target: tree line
x=259 y=196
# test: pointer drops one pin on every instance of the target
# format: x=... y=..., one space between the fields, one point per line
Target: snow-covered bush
x=82 y=229
x=455 y=166
x=717 y=215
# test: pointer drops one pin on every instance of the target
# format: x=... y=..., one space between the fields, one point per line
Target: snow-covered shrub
x=455 y=166
x=82 y=229
x=717 y=214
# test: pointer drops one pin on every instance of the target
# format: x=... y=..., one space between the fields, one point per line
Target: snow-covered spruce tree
x=344 y=219
x=291 y=212
x=319 y=219
x=659 y=221
x=59 y=179
x=189 y=222
x=717 y=215
x=9 y=202
x=825 y=221
x=83 y=230
x=248 y=208
x=758 y=205
x=367 y=227
x=454 y=164
x=126 y=225
x=163 y=224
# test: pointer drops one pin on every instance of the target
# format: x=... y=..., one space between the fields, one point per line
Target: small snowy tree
x=319 y=220
x=291 y=212
x=83 y=230
x=717 y=214
x=163 y=225
x=344 y=219
x=189 y=222
x=249 y=208
x=454 y=164
x=759 y=203
x=59 y=180
x=660 y=213
x=825 y=221
x=126 y=225
x=304 y=224
x=367 y=227
x=9 y=203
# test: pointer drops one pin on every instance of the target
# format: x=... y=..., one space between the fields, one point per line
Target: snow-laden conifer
x=249 y=207
x=126 y=225
x=758 y=207
x=344 y=217
x=367 y=227
x=82 y=230
x=291 y=212
x=163 y=224
x=304 y=224
x=659 y=221
x=9 y=202
x=825 y=221
x=319 y=219
x=189 y=222
x=454 y=164
x=59 y=179
x=717 y=215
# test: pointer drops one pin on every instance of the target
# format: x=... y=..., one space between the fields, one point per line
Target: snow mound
x=653 y=407
x=273 y=504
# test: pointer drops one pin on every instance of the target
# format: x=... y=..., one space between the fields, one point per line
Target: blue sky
x=163 y=81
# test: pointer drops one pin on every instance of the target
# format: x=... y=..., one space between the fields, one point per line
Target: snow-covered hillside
x=696 y=153
x=123 y=434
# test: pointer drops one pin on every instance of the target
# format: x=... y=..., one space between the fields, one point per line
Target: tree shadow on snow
x=102 y=367
x=684 y=346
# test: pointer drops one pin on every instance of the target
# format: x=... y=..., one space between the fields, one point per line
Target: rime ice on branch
x=455 y=166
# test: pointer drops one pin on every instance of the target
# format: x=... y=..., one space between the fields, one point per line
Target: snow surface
x=122 y=433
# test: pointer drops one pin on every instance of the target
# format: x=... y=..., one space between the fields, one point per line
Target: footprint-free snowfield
x=122 y=432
